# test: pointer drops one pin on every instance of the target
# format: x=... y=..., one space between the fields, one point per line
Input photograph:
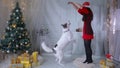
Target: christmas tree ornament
x=17 y=18
x=8 y=51
x=25 y=42
x=11 y=35
x=14 y=25
x=21 y=43
x=17 y=46
x=19 y=36
x=17 y=10
x=26 y=51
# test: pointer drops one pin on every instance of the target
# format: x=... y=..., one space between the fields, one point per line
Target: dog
x=65 y=39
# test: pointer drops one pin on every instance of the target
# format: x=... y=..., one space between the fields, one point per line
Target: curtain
x=44 y=18
x=114 y=29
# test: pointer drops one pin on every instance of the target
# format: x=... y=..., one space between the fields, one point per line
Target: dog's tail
x=46 y=48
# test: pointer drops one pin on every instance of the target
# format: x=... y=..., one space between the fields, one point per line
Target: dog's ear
x=62 y=24
x=69 y=23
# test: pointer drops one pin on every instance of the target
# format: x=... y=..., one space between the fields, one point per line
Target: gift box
x=35 y=57
x=25 y=61
x=110 y=63
x=106 y=64
x=27 y=65
x=102 y=63
x=13 y=61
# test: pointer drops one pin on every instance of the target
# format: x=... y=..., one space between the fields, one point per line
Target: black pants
x=88 y=50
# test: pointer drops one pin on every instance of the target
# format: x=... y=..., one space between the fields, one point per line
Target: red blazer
x=87 y=18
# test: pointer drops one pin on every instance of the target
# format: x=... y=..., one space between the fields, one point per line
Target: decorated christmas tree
x=16 y=37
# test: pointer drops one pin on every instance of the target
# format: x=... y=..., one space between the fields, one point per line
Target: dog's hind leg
x=60 y=57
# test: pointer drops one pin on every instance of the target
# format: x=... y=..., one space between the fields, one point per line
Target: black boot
x=88 y=51
x=85 y=61
x=89 y=59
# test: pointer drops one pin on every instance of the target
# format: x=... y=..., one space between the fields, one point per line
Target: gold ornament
x=14 y=25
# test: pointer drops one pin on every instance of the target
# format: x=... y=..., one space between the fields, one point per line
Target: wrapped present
x=20 y=58
x=25 y=61
x=13 y=61
x=27 y=65
x=106 y=63
x=110 y=63
x=102 y=63
x=35 y=57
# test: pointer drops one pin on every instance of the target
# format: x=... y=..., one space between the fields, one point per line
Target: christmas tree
x=16 y=36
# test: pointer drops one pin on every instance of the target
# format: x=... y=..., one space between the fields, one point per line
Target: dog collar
x=66 y=30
